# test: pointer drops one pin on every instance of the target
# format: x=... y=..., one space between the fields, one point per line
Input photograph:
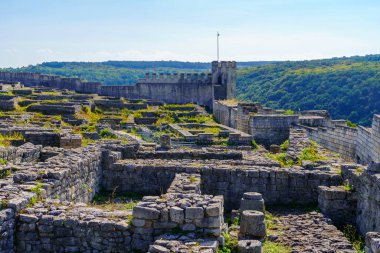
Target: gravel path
x=309 y=232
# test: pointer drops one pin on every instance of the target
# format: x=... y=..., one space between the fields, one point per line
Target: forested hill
x=120 y=72
x=348 y=88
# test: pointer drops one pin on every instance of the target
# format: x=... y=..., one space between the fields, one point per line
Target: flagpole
x=217 y=45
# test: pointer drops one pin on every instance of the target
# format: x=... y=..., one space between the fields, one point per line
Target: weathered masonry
x=267 y=126
x=201 y=89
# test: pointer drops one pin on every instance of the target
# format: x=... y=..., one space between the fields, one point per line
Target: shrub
x=289 y=112
x=351 y=124
x=107 y=134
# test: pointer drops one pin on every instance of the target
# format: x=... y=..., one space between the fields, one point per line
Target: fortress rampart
x=201 y=89
x=267 y=126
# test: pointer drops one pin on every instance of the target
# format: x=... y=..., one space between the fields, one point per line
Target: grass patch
x=289 y=112
x=107 y=200
x=311 y=153
x=5 y=140
x=281 y=158
x=107 y=134
x=275 y=247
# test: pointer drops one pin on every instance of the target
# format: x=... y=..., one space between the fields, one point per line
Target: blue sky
x=98 y=30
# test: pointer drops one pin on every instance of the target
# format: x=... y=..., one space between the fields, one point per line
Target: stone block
x=194 y=213
x=147 y=213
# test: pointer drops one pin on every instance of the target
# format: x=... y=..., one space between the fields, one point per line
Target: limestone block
x=194 y=213
x=252 y=224
x=177 y=215
x=145 y=213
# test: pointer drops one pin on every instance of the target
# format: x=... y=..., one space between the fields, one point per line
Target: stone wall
x=56 y=227
x=184 y=88
x=271 y=129
x=225 y=114
x=359 y=144
x=338 y=204
x=152 y=177
x=366 y=184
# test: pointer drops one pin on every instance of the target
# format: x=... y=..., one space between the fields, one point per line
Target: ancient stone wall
x=277 y=186
x=359 y=144
x=183 y=88
x=55 y=227
x=366 y=185
x=271 y=129
x=225 y=114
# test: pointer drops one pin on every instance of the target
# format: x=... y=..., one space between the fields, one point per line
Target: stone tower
x=224 y=79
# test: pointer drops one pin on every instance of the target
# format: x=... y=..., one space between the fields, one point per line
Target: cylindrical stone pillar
x=252 y=224
x=252 y=201
x=249 y=246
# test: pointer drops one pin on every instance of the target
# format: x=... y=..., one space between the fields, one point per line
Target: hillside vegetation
x=348 y=88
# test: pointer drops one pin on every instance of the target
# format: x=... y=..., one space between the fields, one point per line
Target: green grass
x=311 y=153
x=107 y=134
x=5 y=140
x=289 y=112
x=275 y=247
x=106 y=200
x=281 y=158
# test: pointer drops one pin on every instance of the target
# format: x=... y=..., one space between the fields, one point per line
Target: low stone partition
x=56 y=227
x=338 y=204
x=145 y=121
x=53 y=109
x=200 y=214
x=43 y=138
x=228 y=178
x=193 y=154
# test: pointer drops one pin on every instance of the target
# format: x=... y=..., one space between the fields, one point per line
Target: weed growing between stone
x=230 y=245
x=309 y=153
x=351 y=233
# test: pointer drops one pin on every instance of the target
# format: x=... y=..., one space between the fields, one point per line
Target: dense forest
x=348 y=87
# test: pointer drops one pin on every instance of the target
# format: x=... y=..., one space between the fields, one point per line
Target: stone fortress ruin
x=92 y=168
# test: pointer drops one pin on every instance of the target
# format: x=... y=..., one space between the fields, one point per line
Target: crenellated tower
x=224 y=79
